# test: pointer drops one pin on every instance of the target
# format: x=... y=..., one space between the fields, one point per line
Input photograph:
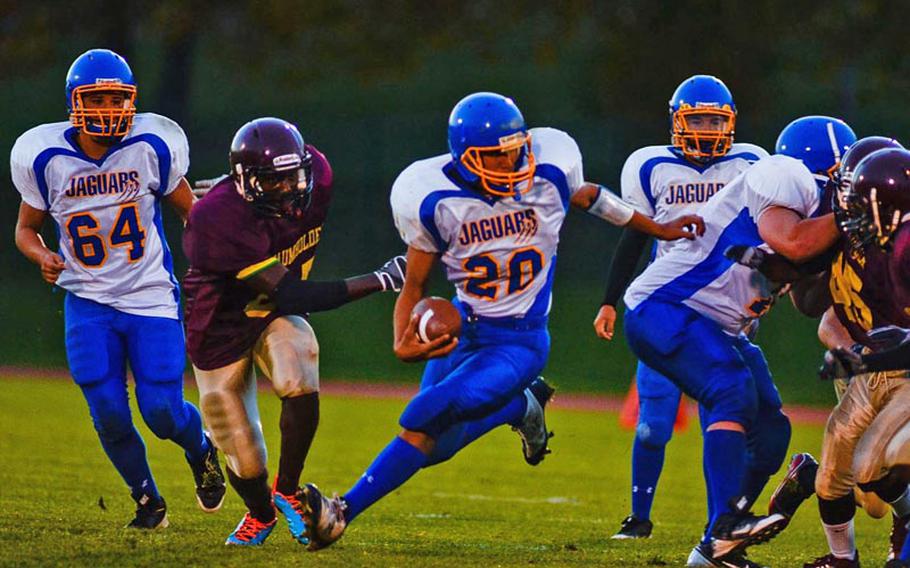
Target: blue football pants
x=99 y=342
x=727 y=375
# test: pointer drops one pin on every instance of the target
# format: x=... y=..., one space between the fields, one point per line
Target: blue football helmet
x=702 y=118
x=819 y=142
x=101 y=70
x=483 y=123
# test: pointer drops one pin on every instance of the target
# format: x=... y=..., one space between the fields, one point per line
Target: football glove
x=842 y=363
x=391 y=275
x=203 y=186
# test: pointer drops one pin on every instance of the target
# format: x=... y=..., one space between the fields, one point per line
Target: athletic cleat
x=633 y=527
x=897 y=563
x=251 y=531
x=324 y=517
x=898 y=536
x=702 y=555
x=797 y=486
x=292 y=507
x=210 y=488
x=831 y=561
x=533 y=428
x=735 y=531
x=151 y=513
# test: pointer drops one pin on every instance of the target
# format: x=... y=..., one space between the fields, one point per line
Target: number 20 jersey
x=108 y=211
x=499 y=252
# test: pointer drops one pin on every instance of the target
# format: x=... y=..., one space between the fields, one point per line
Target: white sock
x=841 y=539
x=901 y=505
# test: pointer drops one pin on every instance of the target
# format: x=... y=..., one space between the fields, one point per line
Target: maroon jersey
x=225 y=242
x=871 y=288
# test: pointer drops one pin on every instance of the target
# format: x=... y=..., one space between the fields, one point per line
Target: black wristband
x=625 y=261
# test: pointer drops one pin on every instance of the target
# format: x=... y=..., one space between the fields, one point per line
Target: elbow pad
x=609 y=207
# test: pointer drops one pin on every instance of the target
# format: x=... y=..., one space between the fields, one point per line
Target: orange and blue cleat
x=251 y=531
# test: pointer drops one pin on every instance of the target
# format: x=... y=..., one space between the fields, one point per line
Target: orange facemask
x=103 y=121
x=497 y=182
x=703 y=144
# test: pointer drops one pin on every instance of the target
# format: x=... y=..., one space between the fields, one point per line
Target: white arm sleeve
x=609 y=207
x=630 y=184
x=23 y=175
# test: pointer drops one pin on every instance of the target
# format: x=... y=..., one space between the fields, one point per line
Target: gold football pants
x=867 y=433
x=287 y=353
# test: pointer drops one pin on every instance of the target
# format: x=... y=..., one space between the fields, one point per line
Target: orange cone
x=628 y=414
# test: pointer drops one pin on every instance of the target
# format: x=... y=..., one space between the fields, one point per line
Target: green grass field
x=485 y=507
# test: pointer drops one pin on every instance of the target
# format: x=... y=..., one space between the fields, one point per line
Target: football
x=438 y=316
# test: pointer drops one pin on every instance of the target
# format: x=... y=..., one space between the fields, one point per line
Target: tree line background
x=371 y=85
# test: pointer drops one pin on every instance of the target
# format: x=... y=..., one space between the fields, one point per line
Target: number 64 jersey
x=108 y=211
x=499 y=252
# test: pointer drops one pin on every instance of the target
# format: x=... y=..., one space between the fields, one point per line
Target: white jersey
x=663 y=185
x=108 y=211
x=498 y=252
x=697 y=274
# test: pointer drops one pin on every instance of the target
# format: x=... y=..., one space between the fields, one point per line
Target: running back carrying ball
x=437 y=317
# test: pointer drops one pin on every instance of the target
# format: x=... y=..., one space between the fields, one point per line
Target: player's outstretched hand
x=51 y=267
x=841 y=363
x=685 y=227
x=202 y=186
x=604 y=322
x=410 y=349
x=391 y=274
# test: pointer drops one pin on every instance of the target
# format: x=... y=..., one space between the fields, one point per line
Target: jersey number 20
x=521 y=269
x=88 y=240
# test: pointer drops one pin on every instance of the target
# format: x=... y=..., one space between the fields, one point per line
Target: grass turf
x=485 y=507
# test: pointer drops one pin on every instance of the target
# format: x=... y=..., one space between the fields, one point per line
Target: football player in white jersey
x=665 y=182
x=101 y=177
x=491 y=211
x=687 y=313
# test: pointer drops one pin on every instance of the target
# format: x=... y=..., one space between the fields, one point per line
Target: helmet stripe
x=834 y=145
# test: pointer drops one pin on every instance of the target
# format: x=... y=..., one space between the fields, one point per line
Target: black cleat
x=323 y=517
x=797 y=486
x=533 y=427
x=703 y=555
x=896 y=563
x=733 y=532
x=210 y=488
x=633 y=527
x=151 y=513
x=831 y=561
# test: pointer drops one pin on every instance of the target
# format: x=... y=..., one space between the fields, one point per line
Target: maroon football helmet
x=272 y=167
x=880 y=198
x=844 y=200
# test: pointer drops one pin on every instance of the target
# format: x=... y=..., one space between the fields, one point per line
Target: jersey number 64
x=87 y=237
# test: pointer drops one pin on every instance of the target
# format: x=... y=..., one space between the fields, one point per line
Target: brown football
x=437 y=317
